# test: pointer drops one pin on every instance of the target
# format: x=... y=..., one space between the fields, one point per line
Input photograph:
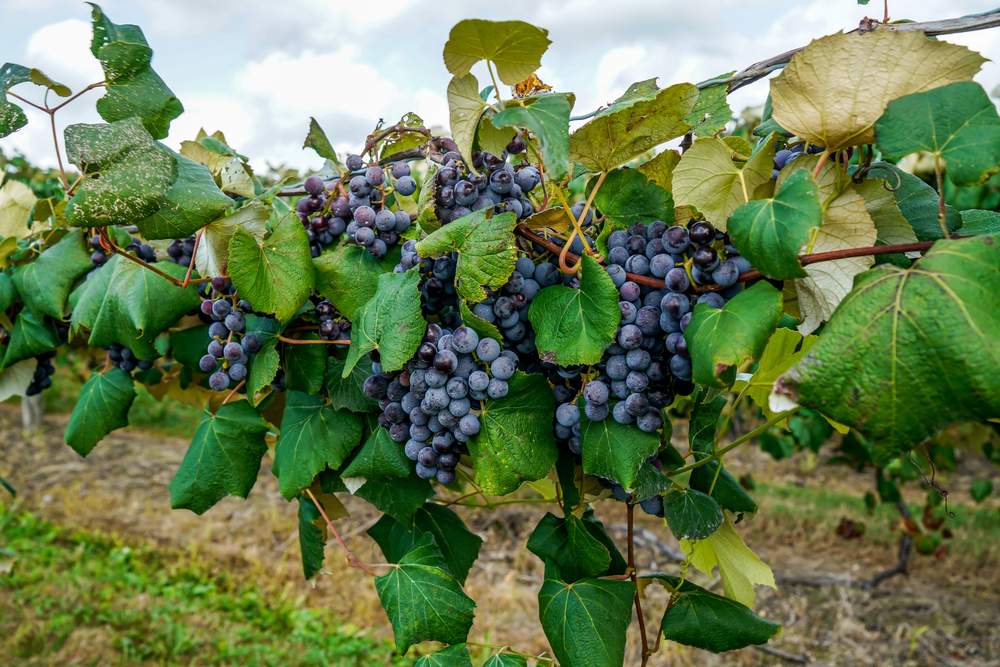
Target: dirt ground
x=943 y=613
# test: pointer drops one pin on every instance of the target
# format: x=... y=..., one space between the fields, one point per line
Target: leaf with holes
x=12 y=117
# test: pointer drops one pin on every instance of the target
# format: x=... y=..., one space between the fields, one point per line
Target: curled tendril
x=866 y=169
x=930 y=482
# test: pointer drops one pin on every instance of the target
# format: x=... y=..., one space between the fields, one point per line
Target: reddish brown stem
x=333 y=530
x=106 y=242
x=233 y=392
x=631 y=567
x=197 y=240
x=374 y=139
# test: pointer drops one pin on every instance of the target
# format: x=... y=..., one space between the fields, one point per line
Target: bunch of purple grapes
x=331 y=325
x=231 y=347
x=429 y=405
x=181 y=252
x=498 y=184
x=99 y=256
x=125 y=359
x=42 y=379
x=437 y=281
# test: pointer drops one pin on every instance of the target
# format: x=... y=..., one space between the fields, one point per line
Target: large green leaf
x=276 y=276
x=380 y=459
x=770 y=233
x=133 y=88
x=699 y=618
x=103 y=406
x=91 y=296
x=459 y=546
x=347 y=393
x=980 y=222
x=631 y=127
x=486 y=251
x=348 y=276
x=139 y=305
x=515 y=442
x=390 y=322
x=691 y=514
x=223 y=459
x=572 y=544
x=711 y=112
x=30 y=338
x=399 y=498
x=422 y=601
x=514 y=47
x=904 y=340
x=12 y=117
x=126 y=172
x=616 y=451
x=44 y=284
x=313 y=437
x=450 y=656
x=575 y=326
x=305 y=365
x=722 y=339
x=192 y=201
x=311 y=537
x=920 y=205
x=547 y=116
x=586 y=621
x=627 y=197
x=958 y=123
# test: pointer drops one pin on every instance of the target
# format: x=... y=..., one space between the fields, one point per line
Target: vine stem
x=350 y=556
x=194 y=253
x=295 y=341
x=55 y=140
x=736 y=443
x=630 y=509
x=233 y=392
x=496 y=88
x=578 y=228
x=115 y=249
x=722 y=431
x=400 y=129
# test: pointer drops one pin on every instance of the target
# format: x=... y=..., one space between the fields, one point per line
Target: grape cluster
x=99 y=257
x=498 y=184
x=784 y=156
x=331 y=325
x=230 y=348
x=437 y=278
x=429 y=405
x=125 y=359
x=42 y=379
x=181 y=252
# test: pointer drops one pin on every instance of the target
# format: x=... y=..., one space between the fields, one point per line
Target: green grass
x=80 y=598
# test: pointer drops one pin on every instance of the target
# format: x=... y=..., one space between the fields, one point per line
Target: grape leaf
x=707 y=178
x=616 y=451
x=312 y=539
x=348 y=276
x=422 y=601
x=133 y=89
x=739 y=567
x=770 y=233
x=626 y=197
x=313 y=437
x=820 y=100
x=403 y=141
x=691 y=514
x=103 y=406
x=482 y=328
x=223 y=459
x=45 y=283
x=586 y=621
x=190 y=202
x=779 y=355
x=30 y=338
x=979 y=222
x=465 y=108
x=264 y=363
x=660 y=169
x=380 y=458
x=459 y=546
x=514 y=47
x=316 y=140
x=890 y=225
x=399 y=498
x=276 y=276
x=711 y=622
x=486 y=251
x=14 y=381
x=212 y=257
x=721 y=340
x=139 y=305
x=726 y=491
x=126 y=173
x=899 y=327
x=450 y=656
x=631 y=127
x=919 y=204
x=346 y=393
x=575 y=326
x=650 y=481
x=16 y=200
x=390 y=322
x=571 y=543
x=12 y=117
x=305 y=365
x=711 y=112
x=958 y=123
x=506 y=660
x=547 y=116
x=515 y=442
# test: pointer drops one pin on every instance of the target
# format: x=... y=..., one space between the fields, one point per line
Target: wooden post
x=32 y=414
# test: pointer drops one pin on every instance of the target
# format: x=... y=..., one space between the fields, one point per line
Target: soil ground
x=943 y=612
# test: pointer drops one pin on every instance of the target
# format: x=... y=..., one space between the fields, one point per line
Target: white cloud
x=212 y=114
x=62 y=50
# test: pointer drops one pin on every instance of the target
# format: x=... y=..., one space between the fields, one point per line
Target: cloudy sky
x=258 y=72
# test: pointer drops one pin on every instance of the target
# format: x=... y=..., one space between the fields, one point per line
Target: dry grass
x=122 y=488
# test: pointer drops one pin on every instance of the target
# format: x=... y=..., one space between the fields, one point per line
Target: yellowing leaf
x=660 y=169
x=778 y=356
x=16 y=200
x=834 y=90
x=707 y=178
x=890 y=225
x=465 y=107
x=739 y=567
x=213 y=249
x=195 y=152
x=236 y=180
